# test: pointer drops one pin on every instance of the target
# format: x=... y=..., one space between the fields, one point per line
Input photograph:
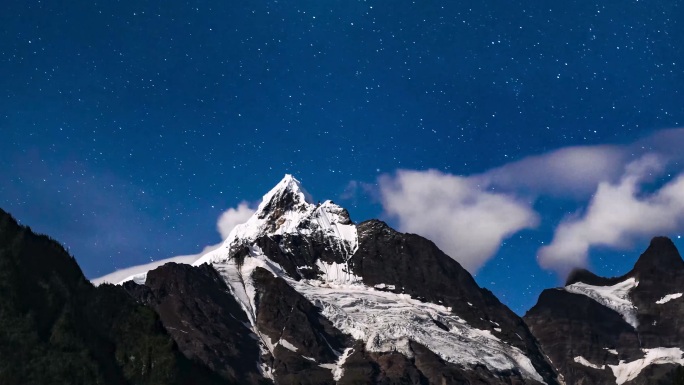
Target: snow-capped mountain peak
x=287 y=195
x=288 y=209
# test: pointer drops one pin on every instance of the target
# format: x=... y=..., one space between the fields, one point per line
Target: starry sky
x=128 y=127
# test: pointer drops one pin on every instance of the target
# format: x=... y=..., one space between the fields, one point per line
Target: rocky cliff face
x=625 y=329
x=414 y=265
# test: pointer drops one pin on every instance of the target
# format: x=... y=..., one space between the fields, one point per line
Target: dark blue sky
x=128 y=127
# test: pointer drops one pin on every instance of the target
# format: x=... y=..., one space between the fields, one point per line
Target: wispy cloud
x=567 y=172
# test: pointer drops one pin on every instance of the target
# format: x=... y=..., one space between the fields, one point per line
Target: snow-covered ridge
x=668 y=298
x=614 y=297
x=385 y=321
x=627 y=371
x=300 y=216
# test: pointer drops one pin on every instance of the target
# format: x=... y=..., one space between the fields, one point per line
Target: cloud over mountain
x=467 y=222
x=612 y=186
x=617 y=214
x=233 y=217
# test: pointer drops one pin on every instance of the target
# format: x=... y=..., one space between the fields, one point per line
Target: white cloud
x=233 y=217
x=611 y=179
x=351 y=191
x=566 y=172
x=576 y=171
x=224 y=225
x=618 y=214
x=466 y=222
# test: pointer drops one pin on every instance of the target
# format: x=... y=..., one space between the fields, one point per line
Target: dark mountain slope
x=56 y=328
x=199 y=312
x=416 y=266
x=593 y=324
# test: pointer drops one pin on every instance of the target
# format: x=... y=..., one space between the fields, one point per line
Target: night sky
x=128 y=127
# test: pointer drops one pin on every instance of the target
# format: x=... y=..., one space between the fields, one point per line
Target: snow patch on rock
x=338 y=273
x=668 y=298
x=337 y=367
x=387 y=321
x=287 y=345
x=583 y=361
x=238 y=277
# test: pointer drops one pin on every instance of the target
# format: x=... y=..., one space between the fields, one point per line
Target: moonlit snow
x=385 y=321
x=303 y=218
x=627 y=371
x=583 y=361
x=614 y=297
x=668 y=298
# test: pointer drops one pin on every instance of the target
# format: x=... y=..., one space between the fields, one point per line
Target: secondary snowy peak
x=289 y=210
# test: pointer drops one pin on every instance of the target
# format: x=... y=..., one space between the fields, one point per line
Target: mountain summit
x=661 y=257
x=287 y=211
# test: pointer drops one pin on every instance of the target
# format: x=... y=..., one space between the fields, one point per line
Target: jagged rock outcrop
x=301 y=338
x=625 y=329
x=415 y=265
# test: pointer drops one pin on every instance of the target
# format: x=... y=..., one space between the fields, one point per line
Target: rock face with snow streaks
x=327 y=301
x=386 y=290
x=413 y=265
x=619 y=330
